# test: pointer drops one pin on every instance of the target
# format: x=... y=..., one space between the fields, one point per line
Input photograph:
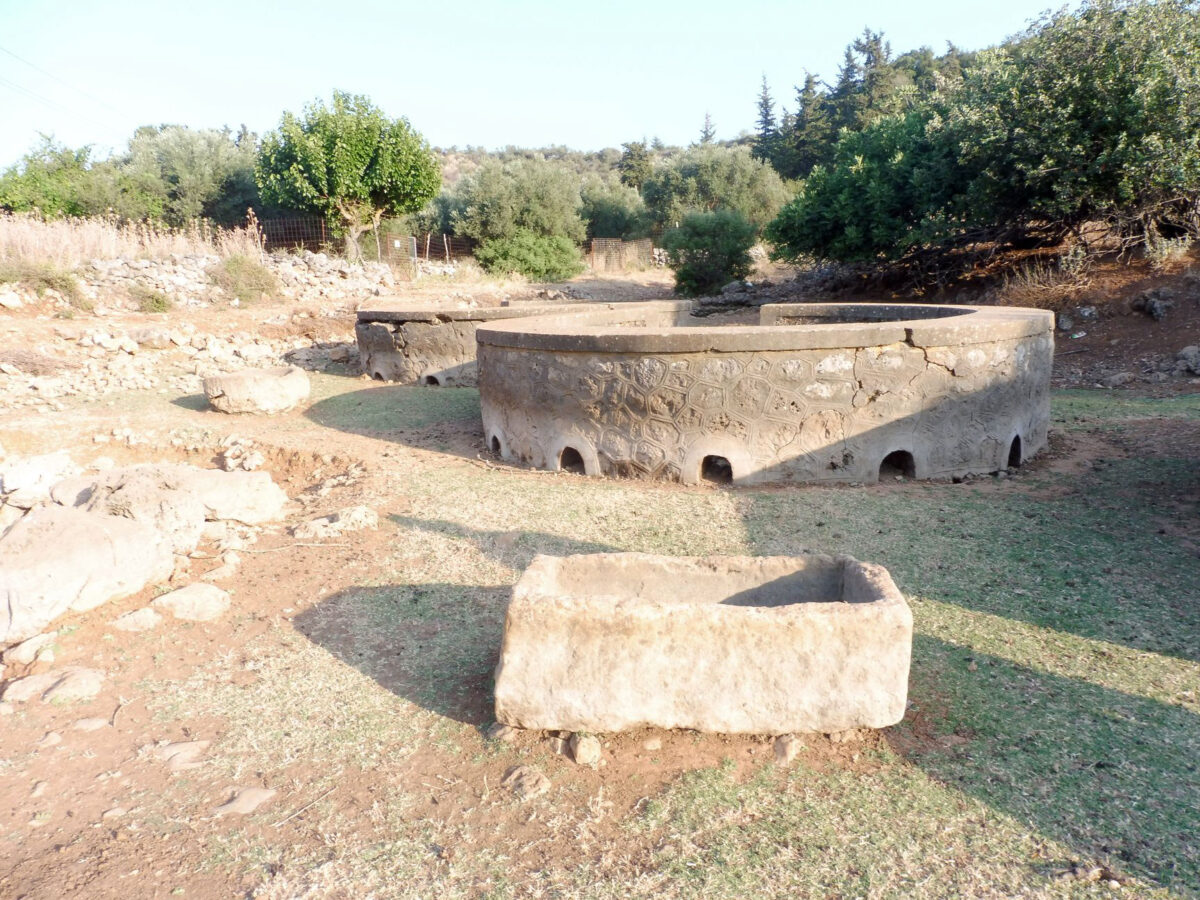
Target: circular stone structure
x=814 y=393
x=430 y=345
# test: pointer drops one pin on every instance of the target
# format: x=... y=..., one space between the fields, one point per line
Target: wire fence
x=295 y=233
x=613 y=255
x=391 y=243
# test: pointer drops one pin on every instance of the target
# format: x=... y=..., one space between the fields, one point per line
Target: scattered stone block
x=245 y=801
x=609 y=642
x=585 y=749
x=28 y=651
x=181 y=756
x=274 y=390
x=144 y=619
x=525 y=782
x=195 y=603
x=787 y=747
x=354 y=518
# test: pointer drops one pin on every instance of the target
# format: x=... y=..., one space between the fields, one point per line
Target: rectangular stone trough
x=752 y=645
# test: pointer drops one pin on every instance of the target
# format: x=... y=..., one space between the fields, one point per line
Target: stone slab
x=772 y=645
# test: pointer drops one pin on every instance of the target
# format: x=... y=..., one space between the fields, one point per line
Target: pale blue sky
x=466 y=72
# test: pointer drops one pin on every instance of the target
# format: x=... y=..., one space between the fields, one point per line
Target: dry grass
x=70 y=243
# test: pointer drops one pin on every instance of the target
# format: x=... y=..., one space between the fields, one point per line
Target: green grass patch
x=244 y=278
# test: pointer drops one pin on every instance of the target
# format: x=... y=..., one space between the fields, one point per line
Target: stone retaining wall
x=817 y=392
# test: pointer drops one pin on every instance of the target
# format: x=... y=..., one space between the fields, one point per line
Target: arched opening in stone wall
x=716 y=469
x=378 y=376
x=1014 y=453
x=570 y=461
x=898 y=464
x=431 y=381
x=495 y=444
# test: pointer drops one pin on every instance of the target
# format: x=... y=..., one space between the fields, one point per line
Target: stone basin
x=752 y=645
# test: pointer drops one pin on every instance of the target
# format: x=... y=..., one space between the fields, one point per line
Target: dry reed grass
x=67 y=244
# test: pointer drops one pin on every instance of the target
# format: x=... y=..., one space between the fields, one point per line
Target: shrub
x=245 y=278
x=709 y=250
x=150 y=300
x=536 y=256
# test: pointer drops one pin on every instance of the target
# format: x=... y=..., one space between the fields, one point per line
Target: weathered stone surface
x=28 y=481
x=585 y=749
x=77 y=684
x=353 y=518
x=62 y=685
x=526 y=782
x=609 y=642
x=197 y=602
x=26 y=652
x=182 y=756
x=245 y=801
x=58 y=559
x=251 y=498
x=273 y=390
x=173 y=496
x=817 y=392
x=153 y=494
x=144 y=619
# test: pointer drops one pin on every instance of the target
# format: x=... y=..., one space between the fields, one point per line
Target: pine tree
x=813 y=135
x=707 y=132
x=767 y=139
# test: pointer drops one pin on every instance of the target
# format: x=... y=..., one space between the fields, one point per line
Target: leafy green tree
x=47 y=180
x=1092 y=115
x=350 y=163
x=500 y=199
x=202 y=173
x=56 y=181
x=613 y=210
x=711 y=177
x=708 y=250
x=635 y=164
x=707 y=131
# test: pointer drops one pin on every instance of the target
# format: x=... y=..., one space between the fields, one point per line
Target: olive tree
x=350 y=163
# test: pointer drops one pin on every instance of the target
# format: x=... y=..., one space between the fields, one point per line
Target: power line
x=12 y=85
x=67 y=84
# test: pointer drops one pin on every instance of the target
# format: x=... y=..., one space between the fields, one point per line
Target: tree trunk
x=353 y=253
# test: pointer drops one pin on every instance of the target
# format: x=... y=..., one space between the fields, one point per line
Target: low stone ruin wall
x=815 y=393
x=426 y=345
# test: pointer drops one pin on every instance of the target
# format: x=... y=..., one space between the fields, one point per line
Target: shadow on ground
x=1112 y=774
x=445 y=419
x=436 y=644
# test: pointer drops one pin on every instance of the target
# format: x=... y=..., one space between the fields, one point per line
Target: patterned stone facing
x=932 y=392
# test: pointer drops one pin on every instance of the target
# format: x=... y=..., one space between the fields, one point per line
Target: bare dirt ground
x=352 y=676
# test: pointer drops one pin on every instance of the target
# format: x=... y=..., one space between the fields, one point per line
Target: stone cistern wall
x=427 y=345
x=814 y=393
